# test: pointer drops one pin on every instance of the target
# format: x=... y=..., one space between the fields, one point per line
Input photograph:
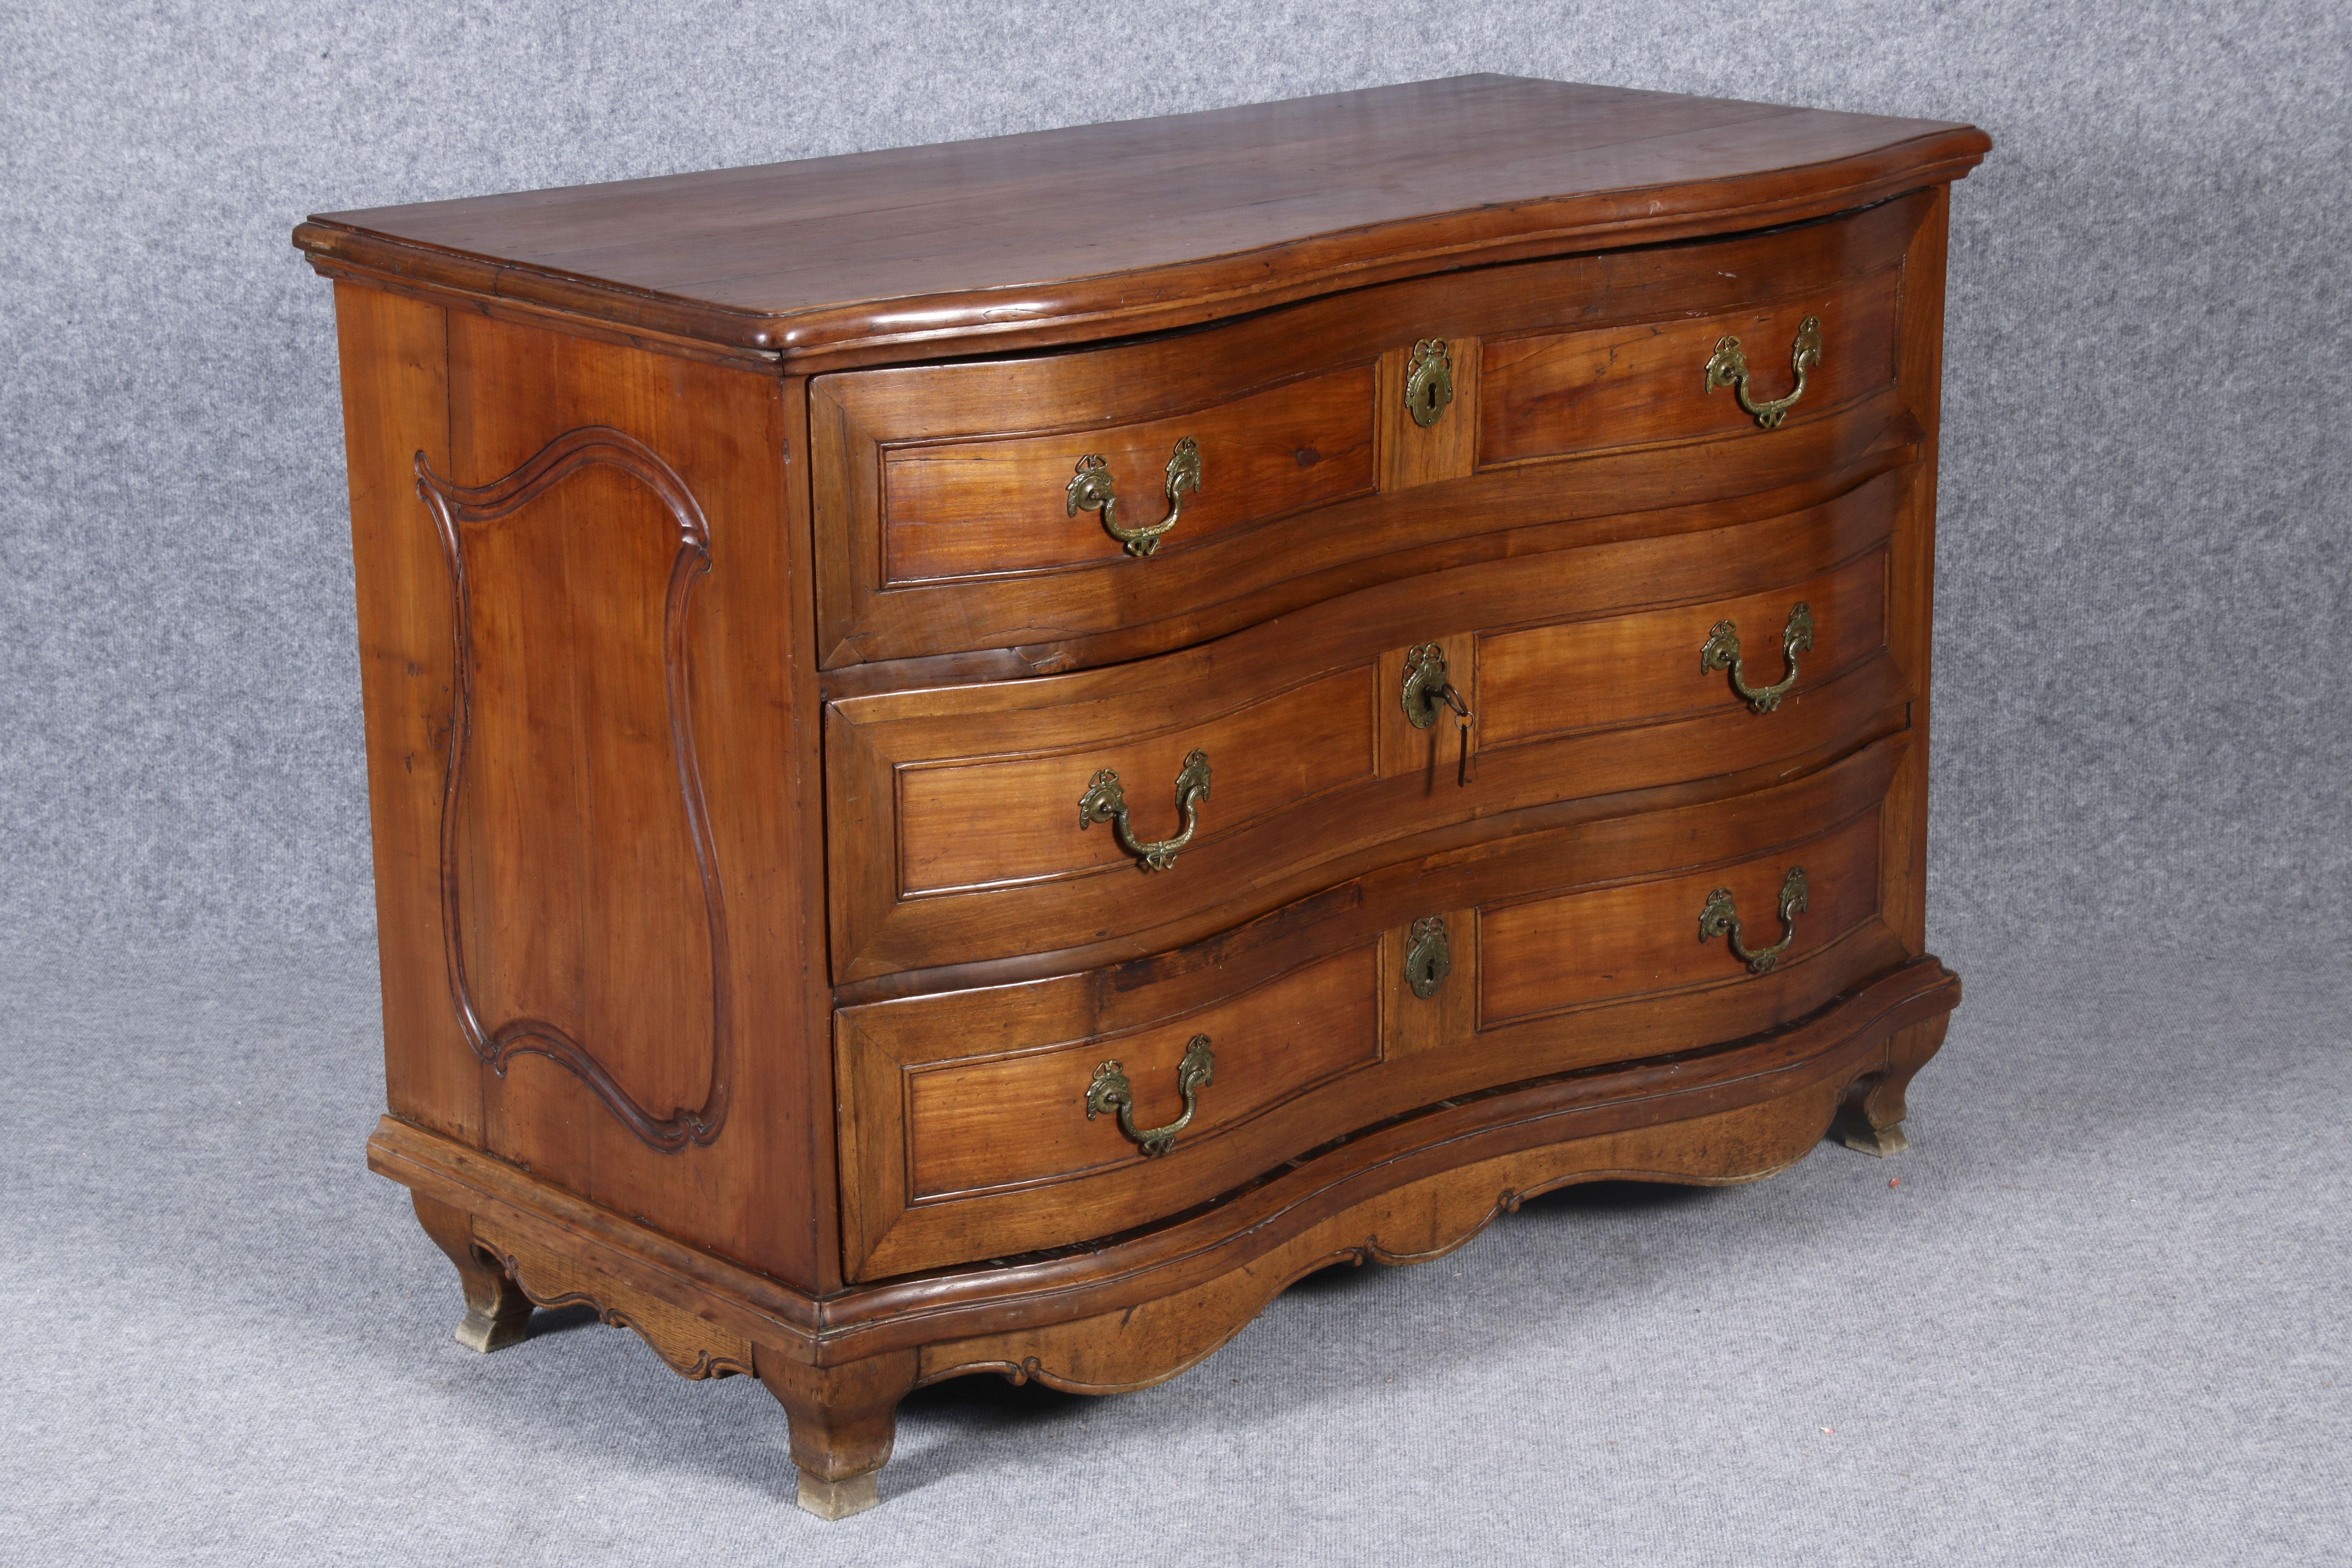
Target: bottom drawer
x=979 y=1124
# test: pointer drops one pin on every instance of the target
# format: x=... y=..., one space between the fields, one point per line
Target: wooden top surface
x=1105 y=230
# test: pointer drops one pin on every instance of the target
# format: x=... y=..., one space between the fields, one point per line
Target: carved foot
x=1871 y=1116
x=844 y=1420
x=498 y=1313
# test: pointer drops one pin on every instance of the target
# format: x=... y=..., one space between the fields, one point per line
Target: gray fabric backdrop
x=2144 y=562
x=2105 y=1316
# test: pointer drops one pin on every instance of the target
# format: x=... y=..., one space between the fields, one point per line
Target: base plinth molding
x=1138 y=1309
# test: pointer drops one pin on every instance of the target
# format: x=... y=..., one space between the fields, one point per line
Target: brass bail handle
x=1092 y=488
x=1111 y=1091
x=1106 y=801
x=1721 y=651
x=1719 y=919
x=1428 y=692
x=1729 y=367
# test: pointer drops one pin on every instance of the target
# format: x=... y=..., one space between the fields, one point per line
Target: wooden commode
x=982 y=756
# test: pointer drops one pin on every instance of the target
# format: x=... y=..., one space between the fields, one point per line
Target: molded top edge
x=1106 y=230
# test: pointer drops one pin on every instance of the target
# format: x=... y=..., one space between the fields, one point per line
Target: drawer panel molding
x=960 y=1115
x=1654 y=664
x=1547 y=685
x=944 y=500
x=985 y=1122
x=1018 y=506
x=1035 y=781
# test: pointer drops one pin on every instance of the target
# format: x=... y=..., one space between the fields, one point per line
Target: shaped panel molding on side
x=562 y=903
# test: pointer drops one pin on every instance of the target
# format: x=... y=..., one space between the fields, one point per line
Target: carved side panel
x=583 y=913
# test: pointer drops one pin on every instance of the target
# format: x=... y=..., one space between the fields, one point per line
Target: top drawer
x=1014 y=503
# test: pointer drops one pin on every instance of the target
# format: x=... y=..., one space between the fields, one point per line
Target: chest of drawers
x=982 y=756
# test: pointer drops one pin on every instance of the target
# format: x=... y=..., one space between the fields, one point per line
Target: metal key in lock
x=1427 y=692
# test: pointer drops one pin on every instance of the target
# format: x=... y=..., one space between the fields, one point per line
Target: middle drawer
x=1121 y=811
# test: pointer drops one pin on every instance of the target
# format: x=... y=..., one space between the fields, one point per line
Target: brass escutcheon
x=1429 y=385
x=1111 y=1091
x=1729 y=367
x=1106 y=801
x=1722 y=652
x=1427 y=958
x=1428 y=692
x=1720 y=919
x=1424 y=685
x=1092 y=488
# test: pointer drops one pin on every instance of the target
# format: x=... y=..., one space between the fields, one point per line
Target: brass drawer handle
x=1719 y=919
x=1427 y=958
x=1111 y=1091
x=1106 y=801
x=1429 y=385
x=1092 y=488
x=1729 y=367
x=1722 y=652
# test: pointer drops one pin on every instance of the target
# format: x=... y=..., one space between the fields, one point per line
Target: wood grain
x=1549 y=955
x=1553 y=394
x=964 y=1131
x=690 y=1345
x=1614 y=670
x=1844 y=1042
x=1912 y=614
x=395 y=373
x=607 y=637
x=1146 y=225
x=997 y=508
x=946 y=852
x=498 y=1313
x=1119 y=1353
x=731 y=685
x=579 y=904
x=999 y=1157
x=982 y=1124
x=1144 y=1307
x=988 y=514
x=987 y=821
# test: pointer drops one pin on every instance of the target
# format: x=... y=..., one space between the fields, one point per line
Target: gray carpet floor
x=2101 y=1320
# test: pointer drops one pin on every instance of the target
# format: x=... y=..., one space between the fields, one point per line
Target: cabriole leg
x=844 y=1419
x=1871 y=1118
x=498 y=1313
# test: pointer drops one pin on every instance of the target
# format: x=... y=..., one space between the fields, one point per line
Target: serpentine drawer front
x=1252 y=771
x=958 y=1110
x=966 y=505
x=980 y=757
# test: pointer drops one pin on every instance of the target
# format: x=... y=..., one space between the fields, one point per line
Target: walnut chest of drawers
x=982 y=756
